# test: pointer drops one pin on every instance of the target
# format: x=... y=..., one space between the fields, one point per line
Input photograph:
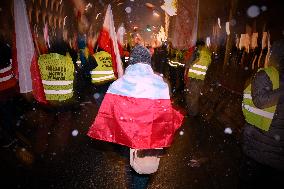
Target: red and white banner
x=29 y=75
x=24 y=44
x=137 y=111
x=107 y=40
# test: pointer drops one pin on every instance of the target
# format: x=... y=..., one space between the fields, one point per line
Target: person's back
x=263 y=107
x=8 y=92
x=58 y=75
x=7 y=77
x=196 y=69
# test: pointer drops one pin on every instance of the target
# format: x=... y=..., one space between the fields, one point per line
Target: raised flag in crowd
x=28 y=70
x=107 y=40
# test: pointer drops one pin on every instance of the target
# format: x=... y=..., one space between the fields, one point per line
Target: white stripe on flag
x=58 y=91
x=135 y=84
x=197 y=72
x=24 y=44
x=103 y=78
x=6 y=69
x=2 y=79
x=247 y=96
x=260 y=112
x=101 y=72
x=199 y=66
x=109 y=25
x=45 y=82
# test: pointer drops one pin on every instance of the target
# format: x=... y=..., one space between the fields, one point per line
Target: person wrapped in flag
x=137 y=112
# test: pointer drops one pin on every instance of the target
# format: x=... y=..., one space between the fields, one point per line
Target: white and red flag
x=137 y=111
x=107 y=40
x=28 y=71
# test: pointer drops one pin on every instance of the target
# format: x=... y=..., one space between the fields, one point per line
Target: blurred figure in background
x=100 y=71
x=57 y=70
x=8 y=90
x=196 y=69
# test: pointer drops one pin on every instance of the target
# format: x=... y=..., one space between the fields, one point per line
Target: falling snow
x=75 y=132
x=228 y=130
x=97 y=96
x=253 y=11
x=128 y=10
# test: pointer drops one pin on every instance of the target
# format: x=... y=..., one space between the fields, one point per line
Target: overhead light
x=89 y=5
x=135 y=28
x=155 y=13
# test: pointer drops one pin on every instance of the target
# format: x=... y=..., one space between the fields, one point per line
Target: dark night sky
x=141 y=16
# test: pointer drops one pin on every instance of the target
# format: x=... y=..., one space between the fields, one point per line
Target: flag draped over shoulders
x=137 y=111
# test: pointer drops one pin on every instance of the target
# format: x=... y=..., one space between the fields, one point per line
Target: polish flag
x=28 y=71
x=120 y=38
x=137 y=111
x=107 y=40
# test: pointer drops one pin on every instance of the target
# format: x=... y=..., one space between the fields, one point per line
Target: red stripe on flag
x=14 y=56
x=124 y=121
x=106 y=43
x=38 y=90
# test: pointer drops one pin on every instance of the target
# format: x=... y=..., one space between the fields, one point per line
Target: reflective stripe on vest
x=175 y=63
x=103 y=78
x=199 y=68
x=7 y=79
x=104 y=71
x=58 y=91
x=3 y=70
x=126 y=59
x=57 y=72
x=260 y=118
x=45 y=82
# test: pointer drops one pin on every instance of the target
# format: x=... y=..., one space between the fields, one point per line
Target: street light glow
x=155 y=13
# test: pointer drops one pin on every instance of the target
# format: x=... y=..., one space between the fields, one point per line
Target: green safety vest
x=261 y=118
x=200 y=66
x=104 y=71
x=57 y=74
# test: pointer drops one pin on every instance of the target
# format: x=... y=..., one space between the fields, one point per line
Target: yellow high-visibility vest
x=104 y=71
x=260 y=118
x=200 y=66
x=57 y=74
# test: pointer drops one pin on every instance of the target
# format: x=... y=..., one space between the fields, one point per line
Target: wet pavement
x=53 y=151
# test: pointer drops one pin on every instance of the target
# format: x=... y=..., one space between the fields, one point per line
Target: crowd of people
x=127 y=104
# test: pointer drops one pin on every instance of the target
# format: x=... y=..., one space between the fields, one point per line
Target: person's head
x=59 y=46
x=200 y=43
x=140 y=54
x=137 y=39
x=277 y=55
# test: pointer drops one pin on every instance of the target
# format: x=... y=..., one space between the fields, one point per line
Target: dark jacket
x=266 y=147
